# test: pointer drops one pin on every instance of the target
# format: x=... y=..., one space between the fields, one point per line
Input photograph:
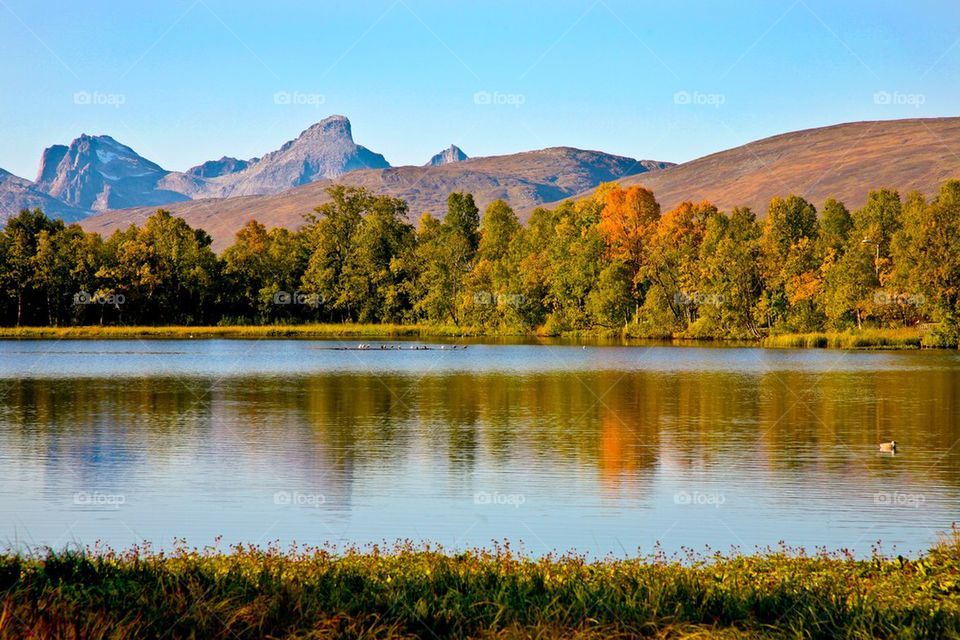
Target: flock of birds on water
x=395 y=347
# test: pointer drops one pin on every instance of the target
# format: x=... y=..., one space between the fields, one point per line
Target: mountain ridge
x=524 y=179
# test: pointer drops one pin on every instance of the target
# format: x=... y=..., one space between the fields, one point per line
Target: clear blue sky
x=183 y=81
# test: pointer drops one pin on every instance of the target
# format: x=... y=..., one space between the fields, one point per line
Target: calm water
x=599 y=449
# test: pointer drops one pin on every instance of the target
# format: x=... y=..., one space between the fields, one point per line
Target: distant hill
x=843 y=161
x=524 y=179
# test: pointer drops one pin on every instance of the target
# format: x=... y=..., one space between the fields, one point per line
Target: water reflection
x=606 y=459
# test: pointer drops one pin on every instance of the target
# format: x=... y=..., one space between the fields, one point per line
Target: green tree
x=463 y=219
x=730 y=260
x=21 y=236
x=790 y=265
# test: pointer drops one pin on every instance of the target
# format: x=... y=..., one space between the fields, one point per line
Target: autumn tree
x=628 y=224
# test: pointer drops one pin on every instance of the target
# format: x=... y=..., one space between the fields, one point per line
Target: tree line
x=612 y=262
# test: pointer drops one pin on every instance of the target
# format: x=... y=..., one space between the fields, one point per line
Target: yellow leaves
x=805 y=286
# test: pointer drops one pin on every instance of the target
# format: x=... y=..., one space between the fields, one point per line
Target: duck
x=889 y=446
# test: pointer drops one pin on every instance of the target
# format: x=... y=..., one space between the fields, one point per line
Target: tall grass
x=907 y=338
x=406 y=592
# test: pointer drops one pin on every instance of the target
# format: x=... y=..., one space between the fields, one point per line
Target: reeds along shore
x=909 y=338
x=407 y=592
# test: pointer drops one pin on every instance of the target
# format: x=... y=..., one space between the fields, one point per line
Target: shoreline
x=866 y=339
x=408 y=591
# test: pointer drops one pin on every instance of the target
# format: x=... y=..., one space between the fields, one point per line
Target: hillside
x=526 y=180
x=843 y=161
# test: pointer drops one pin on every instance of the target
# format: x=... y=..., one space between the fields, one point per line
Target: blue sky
x=185 y=81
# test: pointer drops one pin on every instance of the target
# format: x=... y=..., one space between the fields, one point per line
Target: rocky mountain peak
x=97 y=172
x=324 y=150
x=453 y=153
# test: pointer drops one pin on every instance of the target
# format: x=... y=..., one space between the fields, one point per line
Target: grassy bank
x=864 y=339
x=419 y=592
x=908 y=338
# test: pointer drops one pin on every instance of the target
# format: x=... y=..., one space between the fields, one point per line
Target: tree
x=732 y=279
x=628 y=224
x=494 y=280
x=20 y=239
x=168 y=270
x=610 y=302
x=934 y=235
x=463 y=219
x=876 y=223
x=330 y=237
x=790 y=264
x=263 y=269
x=436 y=280
x=673 y=263
x=836 y=223
x=376 y=267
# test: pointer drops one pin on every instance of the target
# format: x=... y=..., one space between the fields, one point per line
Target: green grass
x=863 y=339
x=407 y=592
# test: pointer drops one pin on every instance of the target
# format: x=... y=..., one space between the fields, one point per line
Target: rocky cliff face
x=98 y=173
x=216 y=168
x=18 y=193
x=451 y=154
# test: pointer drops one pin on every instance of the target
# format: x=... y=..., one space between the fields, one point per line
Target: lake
x=595 y=448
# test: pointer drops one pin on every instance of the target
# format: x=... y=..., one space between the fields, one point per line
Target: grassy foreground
x=408 y=592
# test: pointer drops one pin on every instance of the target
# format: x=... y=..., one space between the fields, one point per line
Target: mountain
x=18 y=193
x=216 y=168
x=98 y=173
x=325 y=150
x=524 y=179
x=843 y=161
x=453 y=153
